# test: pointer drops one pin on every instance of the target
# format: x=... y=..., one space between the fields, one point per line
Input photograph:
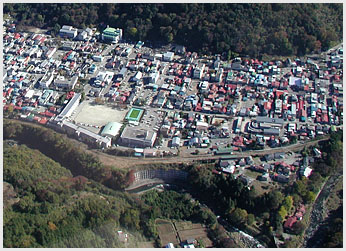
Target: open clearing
x=97 y=115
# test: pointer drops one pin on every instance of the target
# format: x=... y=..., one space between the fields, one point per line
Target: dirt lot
x=97 y=115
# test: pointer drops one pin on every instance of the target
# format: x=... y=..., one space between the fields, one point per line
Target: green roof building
x=111 y=129
x=112 y=35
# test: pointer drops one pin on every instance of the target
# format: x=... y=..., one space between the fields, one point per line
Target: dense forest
x=208 y=28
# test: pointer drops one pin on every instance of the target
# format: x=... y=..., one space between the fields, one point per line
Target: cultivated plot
x=166 y=232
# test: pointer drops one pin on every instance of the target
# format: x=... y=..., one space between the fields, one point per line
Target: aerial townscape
x=117 y=137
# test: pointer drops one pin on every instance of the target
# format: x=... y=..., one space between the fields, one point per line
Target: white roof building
x=168 y=56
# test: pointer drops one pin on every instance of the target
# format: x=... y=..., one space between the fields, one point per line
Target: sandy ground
x=97 y=115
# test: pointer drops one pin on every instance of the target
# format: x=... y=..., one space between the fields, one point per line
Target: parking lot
x=152 y=119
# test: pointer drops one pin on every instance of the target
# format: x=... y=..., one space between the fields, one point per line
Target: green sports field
x=134 y=114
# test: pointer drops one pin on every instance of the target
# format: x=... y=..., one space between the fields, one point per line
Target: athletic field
x=134 y=114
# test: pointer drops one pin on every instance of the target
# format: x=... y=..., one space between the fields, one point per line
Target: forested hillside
x=55 y=209
x=62 y=150
x=232 y=29
x=58 y=210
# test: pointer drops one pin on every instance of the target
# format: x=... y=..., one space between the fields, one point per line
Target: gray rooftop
x=262 y=119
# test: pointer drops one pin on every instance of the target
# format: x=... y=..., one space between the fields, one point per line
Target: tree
x=169 y=37
x=56 y=28
x=309 y=197
x=298 y=228
x=288 y=203
x=82 y=97
x=133 y=32
x=238 y=216
x=65 y=18
x=275 y=198
x=296 y=199
x=250 y=219
x=300 y=186
x=282 y=212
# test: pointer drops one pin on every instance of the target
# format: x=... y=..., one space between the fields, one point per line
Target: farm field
x=187 y=230
x=177 y=232
x=166 y=232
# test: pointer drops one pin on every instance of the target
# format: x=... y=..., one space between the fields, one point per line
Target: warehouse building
x=134 y=137
x=271 y=131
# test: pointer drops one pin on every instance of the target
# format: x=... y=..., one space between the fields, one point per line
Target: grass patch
x=134 y=114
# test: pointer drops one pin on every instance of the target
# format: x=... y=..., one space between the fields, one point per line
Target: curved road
x=126 y=162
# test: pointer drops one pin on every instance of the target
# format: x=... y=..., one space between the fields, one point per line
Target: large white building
x=112 y=35
x=68 y=32
x=138 y=76
x=168 y=56
x=70 y=107
x=198 y=71
x=83 y=134
x=137 y=137
x=65 y=84
x=154 y=77
x=46 y=80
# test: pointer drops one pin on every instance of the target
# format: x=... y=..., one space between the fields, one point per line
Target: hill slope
x=245 y=29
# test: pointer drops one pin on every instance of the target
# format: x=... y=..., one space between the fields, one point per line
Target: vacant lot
x=97 y=115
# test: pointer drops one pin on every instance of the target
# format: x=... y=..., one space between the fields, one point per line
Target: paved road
x=128 y=162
